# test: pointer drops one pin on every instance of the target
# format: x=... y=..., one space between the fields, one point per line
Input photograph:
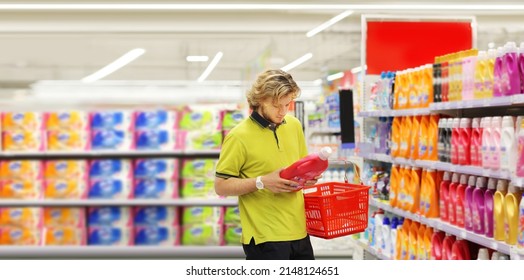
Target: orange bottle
x=396 y=129
x=404 y=244
x=405 y=137
x=413 y=240
x=414 y=189
x=432 y=195
x=433 y=137
x=428 y=234
x=415 y=132
x=421 y=245
x=394 y=185
x=423 y=140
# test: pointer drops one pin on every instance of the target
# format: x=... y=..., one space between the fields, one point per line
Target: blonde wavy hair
x=273 y=84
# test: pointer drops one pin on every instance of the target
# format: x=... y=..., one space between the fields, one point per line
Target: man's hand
x=274 y=183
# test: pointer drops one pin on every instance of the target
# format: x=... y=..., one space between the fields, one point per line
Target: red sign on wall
x=398 y=45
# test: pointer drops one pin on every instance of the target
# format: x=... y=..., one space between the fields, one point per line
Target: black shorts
x=280 y=250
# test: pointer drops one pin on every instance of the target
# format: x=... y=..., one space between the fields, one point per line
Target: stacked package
x=155 y=178
x=110 y=226
x=156 y=130
x=112 y=130
x=23 y=131
x=110 y=179
x=200 y=129
x=156 y=225
x=67 y=131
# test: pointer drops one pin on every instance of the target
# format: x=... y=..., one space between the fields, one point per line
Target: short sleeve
x=232 y=157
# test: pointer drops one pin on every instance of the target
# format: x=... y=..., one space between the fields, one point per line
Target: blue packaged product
x=102 y=168
x=151 y=188
x=106 y=188
x=109 y=216
x=155 y=215
x=153 y=139
x=154 y=168
x=151 y=119
x=107 y=236
x=110 y=120
x=108 y=139
x=153 y=235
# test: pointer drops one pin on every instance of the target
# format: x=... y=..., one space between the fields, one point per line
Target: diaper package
x=64 y=217
x=21 y=189
x=65 y=188
x=164 y=216
x=202 y=120
x=20 y=236
x=231 y=118
x=115 y=168
x=21 y=169
x=112 y=139
x=67 y=120
x=68 y=140
x=200 y=140
x=110 y=188
x=232 y=234
x=111 y=216
x=156 y=119
x=157 y=235
x=156 y=139
x=202 y=214
x=25 y=121
x=202 y=234
x=232 y=215
x=159 y=188
x=65 y=236
x=198 y=168
x=110 y=236
x=198 y=187
x=65 y=169
x=23 y=140
x=23 y=217
x=156 y=168
x=118 y=120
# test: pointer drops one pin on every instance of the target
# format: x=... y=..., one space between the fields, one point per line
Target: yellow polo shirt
x=253 y=149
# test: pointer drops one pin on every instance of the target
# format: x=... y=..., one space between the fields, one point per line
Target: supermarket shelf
x=363 y=244
x=395 y=113
x=333 y=253
x=325 y=130
x=464 y=169
x=111 y=202
x=445 y=227
x=180 y=252
x=453 y=105
x=107 y=154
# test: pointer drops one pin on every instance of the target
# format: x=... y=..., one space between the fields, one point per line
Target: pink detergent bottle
x=444 y=196
x=464 y=157
x=479 y=207
x=468 y=204
x=496 y=128
x=307 y=167
x=452 y=199
x=498 y=73
x=485 y=124
x=476 y=143
x=512 y=68
x=489 y=206
x=521 y=66
x=460 y=193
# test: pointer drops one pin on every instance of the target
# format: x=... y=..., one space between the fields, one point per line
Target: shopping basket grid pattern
x=335 y=209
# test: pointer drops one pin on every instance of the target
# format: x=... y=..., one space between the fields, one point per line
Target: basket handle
x=356 y=171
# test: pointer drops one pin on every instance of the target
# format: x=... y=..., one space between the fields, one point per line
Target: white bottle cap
x=501 y=185
x=522 y=46
x=508 y=121
x=441 y=123
x=472 y=180
x=483 y=254
x=324 y=153
x=456 y=123
x=446 y=176
x=463 y=179
x=475 y=123
x=481 y=182
x=496 y=122
x=500 y=51
x=495 y=256
x=455 y=178
x=465 y=123
x=485 y=122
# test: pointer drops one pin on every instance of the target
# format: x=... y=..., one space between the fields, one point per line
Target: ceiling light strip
x=355 y=7
x=115 y=65
x=297 y=62
x=335 y=76
x=328 y=23
x=197 y=58
x=210 y=67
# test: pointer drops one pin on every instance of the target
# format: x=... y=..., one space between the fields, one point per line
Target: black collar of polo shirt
x=255 y=116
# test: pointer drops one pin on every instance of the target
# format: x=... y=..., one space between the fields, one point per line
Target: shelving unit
x=374 y=252
x=108 y=154
x=451 y=108
x=110 y=202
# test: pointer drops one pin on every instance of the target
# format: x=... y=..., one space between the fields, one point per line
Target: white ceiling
x=69 y=45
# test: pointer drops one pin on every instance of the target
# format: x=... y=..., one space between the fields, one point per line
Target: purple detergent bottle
x=521 y=67
x=512 y=83
x=498 y=73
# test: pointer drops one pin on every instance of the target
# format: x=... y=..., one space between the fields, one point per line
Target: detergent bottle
x=480 y=75
x=485 y=124
x=479 y=206
x=444 y=196
x=308 y=167
x=468 y=204
x=437 y=244
x=488 y=86
x=394 y=185
x=521 y=66
x=452 y=199
x=433 y=137
x=496 y=124
x=461 y=197
x=507 y=143
x=476 y=142
x=511 y=205
x=432 y=195
x=455 y=141
x=464 y=155
x=511 y=66
x=499 y=212
x=498 y=73
x=488 y=205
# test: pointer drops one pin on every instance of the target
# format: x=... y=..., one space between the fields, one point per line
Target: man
x=253 y=153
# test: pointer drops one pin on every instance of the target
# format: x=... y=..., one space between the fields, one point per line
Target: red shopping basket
x=335 y=209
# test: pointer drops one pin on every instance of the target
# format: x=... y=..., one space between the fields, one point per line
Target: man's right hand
x=275 y=184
